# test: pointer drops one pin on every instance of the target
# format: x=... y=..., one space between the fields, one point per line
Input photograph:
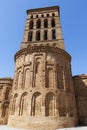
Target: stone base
x=41 y=123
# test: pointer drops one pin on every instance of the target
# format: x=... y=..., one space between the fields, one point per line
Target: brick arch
x=50 y=102
x=38 y=23
x=45 y=23
x=31 y=23
x=14 y=102
x=38 y=35
x=19 y=76
x=52 y=22
x=37 y=71
x=36 y=102
x=23 y=103
x=30 y=36
x=27 y=78
x=49 y=78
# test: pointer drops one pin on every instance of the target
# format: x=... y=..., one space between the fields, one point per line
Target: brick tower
x=42 y=96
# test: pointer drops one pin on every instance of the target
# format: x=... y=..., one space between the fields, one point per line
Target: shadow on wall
x=80 y=86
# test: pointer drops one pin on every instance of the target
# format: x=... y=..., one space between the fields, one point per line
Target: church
x=43 y=95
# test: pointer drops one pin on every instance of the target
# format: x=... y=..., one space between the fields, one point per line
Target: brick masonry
x=42 y=95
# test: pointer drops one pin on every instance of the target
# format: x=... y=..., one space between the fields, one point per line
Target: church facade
x=43 y=94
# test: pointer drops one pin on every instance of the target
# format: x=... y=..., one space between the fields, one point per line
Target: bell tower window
x=38 y=35
x=38 y=23
x=53 y=23
x=30 y=35
x=31 y=25
x=45 y=23
x=45 y=35
x=53 y=34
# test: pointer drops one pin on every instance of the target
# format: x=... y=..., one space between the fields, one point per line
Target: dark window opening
x=38 y=24
x=53 y=23
x=30 y=36
x=36 y=16
x=45 y=23
x=47 y=15
x=45 y=35
x=31 y=25
x=38 y=36
x=31 y=16
x=42 y=15
x=53 y=14
x=53 y=34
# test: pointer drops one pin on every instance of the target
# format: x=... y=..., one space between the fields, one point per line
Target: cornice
x=43 y=9
x=42 y=48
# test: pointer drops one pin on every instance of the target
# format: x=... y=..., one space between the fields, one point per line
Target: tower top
x=45 y=9
x=43 y=28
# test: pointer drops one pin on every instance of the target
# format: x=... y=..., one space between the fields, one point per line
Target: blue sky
x=74 y=28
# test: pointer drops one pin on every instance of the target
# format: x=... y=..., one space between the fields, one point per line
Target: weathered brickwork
x=80 y=85
x=5 y=90
x=43 y=95
x=43 y=88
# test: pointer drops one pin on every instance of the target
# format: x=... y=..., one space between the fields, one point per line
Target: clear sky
x=74 y=28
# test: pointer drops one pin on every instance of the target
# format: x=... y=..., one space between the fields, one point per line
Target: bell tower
x=43 y=28
x=43 y=94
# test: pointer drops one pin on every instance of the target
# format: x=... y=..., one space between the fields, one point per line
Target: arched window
x=38 y=35
x=53 y=34
x=52 y=23
x=42 y=15
x=31 y=25
x=36 y=16
x=45 y=23
x=53 y=14
x=31 y=16
x=47 y=15
x=38 y=23
x=30 y=35
x=45 y=35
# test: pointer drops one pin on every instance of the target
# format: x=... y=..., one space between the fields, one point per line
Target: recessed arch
x=38 y=35
x=45 y=35
x=52 y=22
x=14 y=103
x=50 y=102
x=62 y=104
x=19 y=79
x=38 y=24
x=30 y=35
x=45 y=23
x=49 y=78
x=27 y=78
x=53 y=14
x=22 y=103
x=31 y=23
x=53 y=34
x=36 y=104
x=47 y=15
